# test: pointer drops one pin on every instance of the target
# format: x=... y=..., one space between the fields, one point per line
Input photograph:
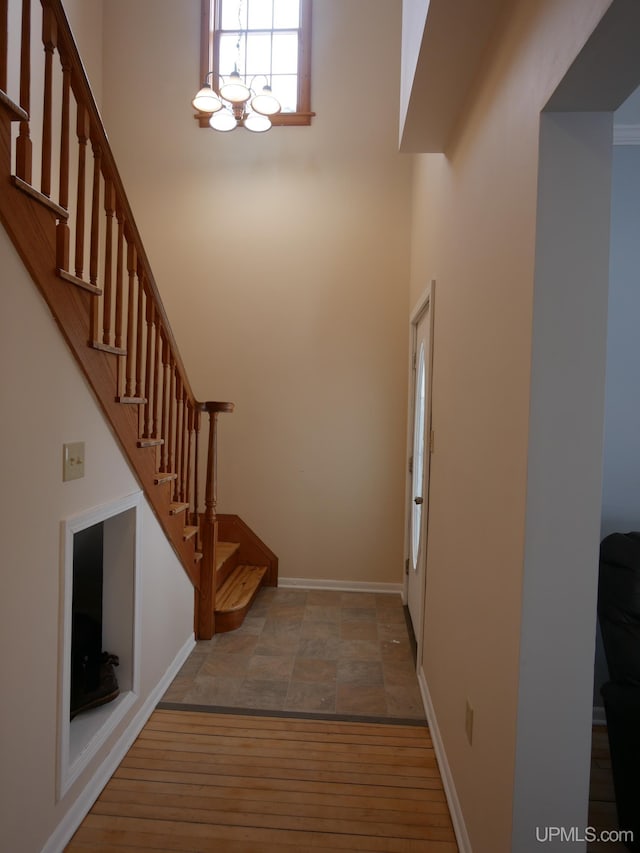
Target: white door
x=419 y=468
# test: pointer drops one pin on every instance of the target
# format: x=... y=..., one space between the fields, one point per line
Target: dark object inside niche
x=619 y=617
x=93 y=679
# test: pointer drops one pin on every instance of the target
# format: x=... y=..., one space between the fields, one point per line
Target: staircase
x=75 y=232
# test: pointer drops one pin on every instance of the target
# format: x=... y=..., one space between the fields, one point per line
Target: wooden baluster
x=24 y=147
x=82 y=131
x=157 y=369
x=49 y=42
x=185 y=449
x=171 y=429
x=195 y=518
x=166 y=403
x=109 y=209
x=129 y=389
x=207 y=592
x=178 y=437
x=4 y=43
x=62 y=228
x=139 y=331
x=94 y=247
x=119 y=278
x=189 y=461
x=148 y=369
x=184 y=437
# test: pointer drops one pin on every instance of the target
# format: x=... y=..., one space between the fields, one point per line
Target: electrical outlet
x=468 y=723
x=73 y=461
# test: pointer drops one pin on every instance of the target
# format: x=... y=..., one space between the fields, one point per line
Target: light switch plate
x=73 y=461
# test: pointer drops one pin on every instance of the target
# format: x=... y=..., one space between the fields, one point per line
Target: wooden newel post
x=209 y=526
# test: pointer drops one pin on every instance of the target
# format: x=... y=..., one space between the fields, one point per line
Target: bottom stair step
x=235 y=596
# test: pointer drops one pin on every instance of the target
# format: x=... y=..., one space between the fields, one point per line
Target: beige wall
x=283 y=262
x=85 y=19
x=474 y=230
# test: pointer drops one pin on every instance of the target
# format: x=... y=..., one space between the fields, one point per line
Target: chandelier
x=237 y=105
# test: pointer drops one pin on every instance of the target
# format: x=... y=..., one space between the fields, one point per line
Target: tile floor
x=312 y=651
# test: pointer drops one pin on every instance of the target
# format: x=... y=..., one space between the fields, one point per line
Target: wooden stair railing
x=78 y=238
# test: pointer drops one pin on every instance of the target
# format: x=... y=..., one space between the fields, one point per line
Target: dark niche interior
x=86 y=626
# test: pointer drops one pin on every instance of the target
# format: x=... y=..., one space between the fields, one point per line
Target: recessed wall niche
x=100 y=566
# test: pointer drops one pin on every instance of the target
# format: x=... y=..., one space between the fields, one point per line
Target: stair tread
x=189 y=531
x=79 y=282
x=175 y=508
x=27 y=188
x=239 y=588
x=225 y=550
x=164 y=477
x=17 y=113
x=108 y=348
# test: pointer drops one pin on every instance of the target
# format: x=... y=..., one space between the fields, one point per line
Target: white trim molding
x=626 y=134
x=455 y=810
x=342 y=586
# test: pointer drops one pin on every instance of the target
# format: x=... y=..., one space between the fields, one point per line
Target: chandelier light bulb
x=206 y=100
x=224 y=120
x=266 y=102
x=257 y=123
x=234 y=90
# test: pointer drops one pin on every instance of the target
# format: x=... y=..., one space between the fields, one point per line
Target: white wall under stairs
x=45 y=402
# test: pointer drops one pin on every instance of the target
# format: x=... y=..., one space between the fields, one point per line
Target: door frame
x=424 y=303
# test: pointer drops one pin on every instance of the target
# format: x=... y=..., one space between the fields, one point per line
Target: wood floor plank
x=165 y=728
x=310 y=738
x=431 y=802
x=164 y=811
x=213 y=837
x=290 y=727
x=370 y=810
x=273 y=749
x=196 y=782
x=266 y=751
x=324 y=772
x=195 y=774
x=379 y=782
x=293 y=724
x=109 y=842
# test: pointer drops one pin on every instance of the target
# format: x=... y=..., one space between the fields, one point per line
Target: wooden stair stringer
x=32 y=229
x=252 y=550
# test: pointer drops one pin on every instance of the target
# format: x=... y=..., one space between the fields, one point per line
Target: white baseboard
x=78 y=811
x=599 y=716
x=457 y=818
x=343 y=586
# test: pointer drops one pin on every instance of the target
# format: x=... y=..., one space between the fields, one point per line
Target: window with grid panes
x=267 y=41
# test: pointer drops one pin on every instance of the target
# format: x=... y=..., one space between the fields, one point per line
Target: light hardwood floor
x=197 y=781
